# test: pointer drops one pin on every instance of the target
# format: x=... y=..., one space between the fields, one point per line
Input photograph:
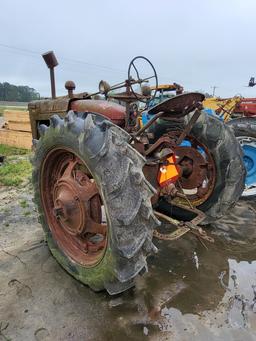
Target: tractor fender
x=113 y=111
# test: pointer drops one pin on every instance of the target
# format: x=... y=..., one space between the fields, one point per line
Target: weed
x=8 y=150
x=13 y=174
x=23 y=203
x=4 y=107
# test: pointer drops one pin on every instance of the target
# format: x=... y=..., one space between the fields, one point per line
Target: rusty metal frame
x=183 y=227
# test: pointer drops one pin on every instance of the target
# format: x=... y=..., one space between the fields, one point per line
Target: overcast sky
x=198 y=44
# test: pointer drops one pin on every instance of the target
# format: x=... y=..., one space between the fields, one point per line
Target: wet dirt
x=190 y=292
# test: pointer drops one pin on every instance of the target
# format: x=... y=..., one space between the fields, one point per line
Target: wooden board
x=22 y=126
x=14 y=138
x=16 y=116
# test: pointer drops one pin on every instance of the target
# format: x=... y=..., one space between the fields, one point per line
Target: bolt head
x=70 y=85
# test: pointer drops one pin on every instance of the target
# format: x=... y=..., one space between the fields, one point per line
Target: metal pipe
x=53 y=89
x=189 y=126
x=51 y=62
x=147 y=125
x=121 y=85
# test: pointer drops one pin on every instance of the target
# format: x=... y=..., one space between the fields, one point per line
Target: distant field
x=4 y=107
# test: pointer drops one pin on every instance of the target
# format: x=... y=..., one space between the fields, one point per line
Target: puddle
x=191 y=291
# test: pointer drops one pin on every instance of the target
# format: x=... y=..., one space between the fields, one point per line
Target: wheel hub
x=73 y=207
x=197 y=168
x=193 y=167
x=72 y=203
x=248 y=145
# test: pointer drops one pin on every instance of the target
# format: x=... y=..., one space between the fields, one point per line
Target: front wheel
x=93 y=201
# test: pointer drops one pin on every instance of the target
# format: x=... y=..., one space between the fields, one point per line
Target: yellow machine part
x=139 y=120
x=165 y=87
x=222 y=106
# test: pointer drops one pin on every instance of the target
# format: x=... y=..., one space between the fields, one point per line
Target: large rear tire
x=229 y=169
x=244 y=129
x=117 y=171
x=244 y=126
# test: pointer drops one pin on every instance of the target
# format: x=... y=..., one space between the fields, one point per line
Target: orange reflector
x=169 y=173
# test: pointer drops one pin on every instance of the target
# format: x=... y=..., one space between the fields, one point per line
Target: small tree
x=20 y=93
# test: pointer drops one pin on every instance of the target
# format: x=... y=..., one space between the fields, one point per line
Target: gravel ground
x=189 y=292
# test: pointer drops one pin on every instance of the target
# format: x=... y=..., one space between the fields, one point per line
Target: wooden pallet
x=17 y=131
x=19 y=139
x=16 y=116
x=19 y=126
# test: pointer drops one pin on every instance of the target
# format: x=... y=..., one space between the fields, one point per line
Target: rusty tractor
x=103 y=179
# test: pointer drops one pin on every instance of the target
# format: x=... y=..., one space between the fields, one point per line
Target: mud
x=190 y=292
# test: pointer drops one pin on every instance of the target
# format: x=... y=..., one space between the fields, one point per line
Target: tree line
x=17 y=93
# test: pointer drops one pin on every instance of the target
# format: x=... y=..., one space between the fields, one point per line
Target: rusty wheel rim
x=73 y=207
x=198 y=171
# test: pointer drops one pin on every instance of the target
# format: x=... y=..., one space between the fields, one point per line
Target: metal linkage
x=183 y=227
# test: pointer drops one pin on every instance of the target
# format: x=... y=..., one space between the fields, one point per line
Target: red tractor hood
x=115 y=112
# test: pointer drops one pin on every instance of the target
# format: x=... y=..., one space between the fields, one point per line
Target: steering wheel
x=140 y=80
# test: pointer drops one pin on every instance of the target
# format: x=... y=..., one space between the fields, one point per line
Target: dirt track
x=180 y=298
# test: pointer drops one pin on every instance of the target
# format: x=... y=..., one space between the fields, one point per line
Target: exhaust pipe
x=51 y=62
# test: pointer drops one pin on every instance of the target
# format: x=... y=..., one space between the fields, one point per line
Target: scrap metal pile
x=107 y=170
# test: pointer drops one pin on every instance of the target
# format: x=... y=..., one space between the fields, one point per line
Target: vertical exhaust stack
x=51 y=62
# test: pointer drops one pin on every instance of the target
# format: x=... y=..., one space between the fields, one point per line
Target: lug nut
x=58 y=211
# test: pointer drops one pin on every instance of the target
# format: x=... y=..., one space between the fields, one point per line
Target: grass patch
x=8 y=150
x=16 y=167
x=23 y=203
x=6 y=210
x=9 y=107
x=13 y=174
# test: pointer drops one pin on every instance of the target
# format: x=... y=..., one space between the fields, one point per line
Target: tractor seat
x=178 y=106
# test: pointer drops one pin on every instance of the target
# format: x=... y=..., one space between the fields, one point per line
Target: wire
x=70 y=60
x=63 y=58
x=19 y=49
